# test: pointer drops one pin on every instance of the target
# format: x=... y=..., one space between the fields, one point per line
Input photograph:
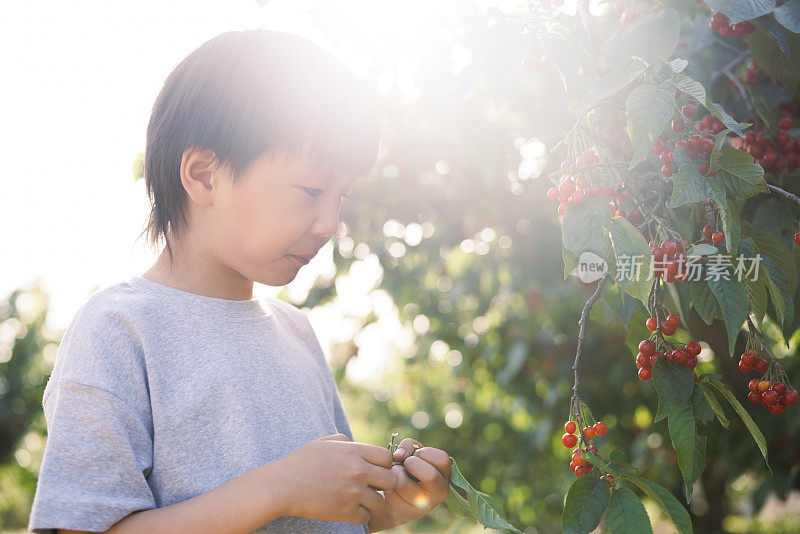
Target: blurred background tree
x=455 y=221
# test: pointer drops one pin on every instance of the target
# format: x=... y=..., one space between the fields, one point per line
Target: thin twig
x=582 y=331
x=793 y=198
x=760 y=337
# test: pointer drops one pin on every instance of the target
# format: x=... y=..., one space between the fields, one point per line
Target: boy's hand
x=411 y=500
x=335 y=479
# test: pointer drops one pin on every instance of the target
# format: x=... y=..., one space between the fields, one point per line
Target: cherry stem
x=793 y=198
x=760 y=336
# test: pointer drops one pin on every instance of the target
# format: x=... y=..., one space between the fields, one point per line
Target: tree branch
x=793 y=198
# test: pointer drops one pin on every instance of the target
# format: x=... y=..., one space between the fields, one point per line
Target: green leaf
x=691 y=87
x=746 y=419
x=629 y=242
x=756 y=297
x=685 y=436
x=485 y=509
x=586 y=502
x=691 y=186
x=648 y=110
x=732 y=299
x=606 y=86
x=731 y=224
x=676 y=65
x=726 y=119
x=570 y=261
x=742 y=177
x=674 y=384
x=458 y=505
x=773 y=247
x=652 y=35
x=705 y=304
x=702 y=249
x=626 y=514
x=715 y=405
x=585 y=227
x=767 y=54
x=666 y=501
x=788 y=15
x=739 y=10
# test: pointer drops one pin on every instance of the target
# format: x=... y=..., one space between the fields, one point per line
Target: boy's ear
x=197 y=175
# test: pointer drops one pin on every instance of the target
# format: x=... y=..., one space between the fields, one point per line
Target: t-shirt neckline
x=195 y=303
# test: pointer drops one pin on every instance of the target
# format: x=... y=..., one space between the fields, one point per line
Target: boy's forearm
x=240 y=505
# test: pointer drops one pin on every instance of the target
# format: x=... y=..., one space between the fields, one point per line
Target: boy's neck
x=198 y=273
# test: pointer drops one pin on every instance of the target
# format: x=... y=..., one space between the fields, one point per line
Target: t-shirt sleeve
x=95 y=460
x=99 y=450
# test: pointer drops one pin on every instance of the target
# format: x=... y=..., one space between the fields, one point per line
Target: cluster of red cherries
x=648 y=356
x=774 y=396
x=575 y=191
x=697 y=144
x=775 y=156
x=720 y=23
x=670 y=260
x=578 y=464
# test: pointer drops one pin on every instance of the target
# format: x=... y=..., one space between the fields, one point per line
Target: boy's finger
x=405 y=449
x=429 y=477
x=436 y=457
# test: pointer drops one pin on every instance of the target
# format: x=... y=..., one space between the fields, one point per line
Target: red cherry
x=674 y=319
x=642 y=361
x=748 y=359
x=754 y=397
x=647 y=347
x=669 y=247
x=570 y=427
x=761 y=365
x=552 y=193
x=588 y=433
x=779 y=388
x=784 y=123
x=688 y=110
x=677 y=125
x=769 y=398
x=743 y=367
x=645 y=373
x=753 y=385
x=679 y=356
x=576 y=198
x=667 y=329
x=717 y=237
x=582 y=470
x=651 y=324
x=666 y=171
x=691 y=362
x=654 y=358
x=577 y=459
x=600 y=428
x=693 y=348
x=569 y=440
x=707 y=231
x=561 y=209
x=790 y=397
x=797 y=239
x=775 y=409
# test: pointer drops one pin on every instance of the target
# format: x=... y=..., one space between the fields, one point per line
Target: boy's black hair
x=244 y=93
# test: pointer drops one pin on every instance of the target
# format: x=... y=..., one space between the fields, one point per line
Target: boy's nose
x=328 y=222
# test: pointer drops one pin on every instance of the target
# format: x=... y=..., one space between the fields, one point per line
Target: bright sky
x=79 y=81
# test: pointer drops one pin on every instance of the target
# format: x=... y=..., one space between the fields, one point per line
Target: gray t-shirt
x=158 y=395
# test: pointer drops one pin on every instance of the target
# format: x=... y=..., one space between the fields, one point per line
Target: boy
x=178 y=402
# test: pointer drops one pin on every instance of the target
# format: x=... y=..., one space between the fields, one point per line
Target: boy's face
x=281 y=207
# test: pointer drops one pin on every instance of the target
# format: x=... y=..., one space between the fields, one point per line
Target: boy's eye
x=313 y=191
